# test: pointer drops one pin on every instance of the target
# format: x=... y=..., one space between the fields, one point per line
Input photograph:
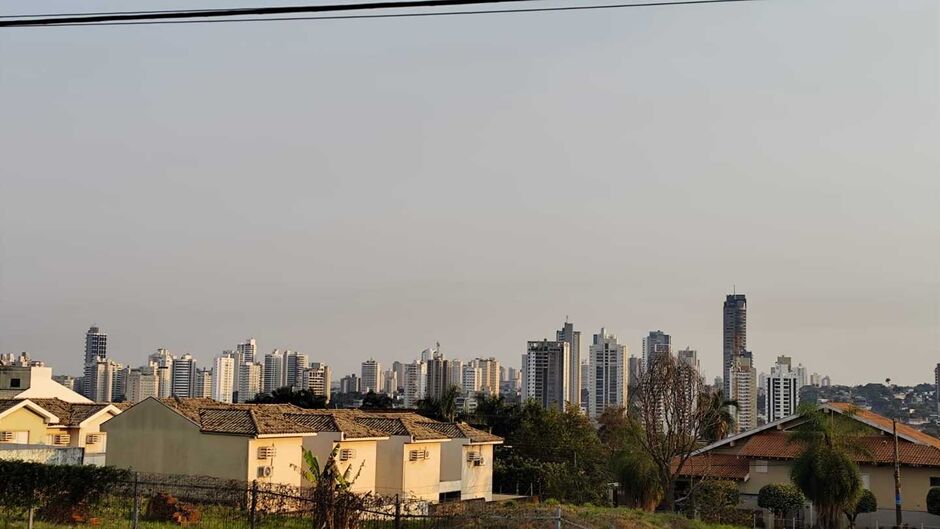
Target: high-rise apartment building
x=244 y=352
x=399 y=369
x=295 y=365
x=471 y=380
x=489 y=373
x=273 y=376
x=609 y=377
x=390 y=382
x=656 y=343
x=96 y=348
x=317 y=379
x=414 y=385
x=142 y=383
x=455 y=373
x=744 y=389
x=936 y=381
x=350 y=384
x=572 y=337
x=203 y=386
x=586 y=383
x=184 y=376
x=783 y=392
x=100 y=385
x=734 y=336
x=371 y=376
x=223 y=378
x=689 y=357
x=636 y=369
x=162 y=361
x=249 y=381
x=545 y=373
x=438 y=371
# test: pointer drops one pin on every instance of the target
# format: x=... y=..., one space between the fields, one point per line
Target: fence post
x=253 y=511
x=135 y=516
x=31 y=509
x=558 y=517
x=397 y=511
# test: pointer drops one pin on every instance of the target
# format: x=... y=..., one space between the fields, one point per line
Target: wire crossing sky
x=368 y=189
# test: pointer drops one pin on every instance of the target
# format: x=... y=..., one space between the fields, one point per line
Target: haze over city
x=368 y=188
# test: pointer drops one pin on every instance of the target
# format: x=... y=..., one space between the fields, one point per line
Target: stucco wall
x=363 y=462
x=388 y=474
x=421 y=479
x=285 y=465
x=42 y=454
x=477 y=481
x=25 y=420
x=150 y=437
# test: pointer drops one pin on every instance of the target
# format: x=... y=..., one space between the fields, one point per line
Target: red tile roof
x=884 y=423
x=777 y=445
x=716 y=466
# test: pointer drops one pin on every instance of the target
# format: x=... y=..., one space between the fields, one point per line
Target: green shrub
x=551 y=501
x=780 y=498
x=59 y=492
x=715 y=499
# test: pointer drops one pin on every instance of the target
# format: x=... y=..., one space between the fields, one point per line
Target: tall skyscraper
x=142 y=384
x=249 y=381
x=744 y=387
x=371 y=374
x=609 y=374
x=545 y=373
x=471 y=380
x=455 y=373
x=247 y=350
x=572 y=337
x=657 y=342
x=273 y=376
x=184 y=376
x=390 y=382
x=636 y=369
x=489 y=373
x=734 y=331
x=438 y=382
x=162 y=361
x=317 y=379
x=100 y=385
x=783 y=393
x=223 y=378
x=203 y=387
x=295 y=365
x=414 y=385
x=96 y=348
x=689 y=357
x=350 y=384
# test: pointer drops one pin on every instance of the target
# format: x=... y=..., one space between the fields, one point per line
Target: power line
x=148 y=17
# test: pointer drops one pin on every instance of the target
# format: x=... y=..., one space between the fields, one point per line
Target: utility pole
x=897 y=476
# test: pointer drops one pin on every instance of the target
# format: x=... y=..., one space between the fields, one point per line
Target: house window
x=934 y=481
x=760 y=466
x=14 y=382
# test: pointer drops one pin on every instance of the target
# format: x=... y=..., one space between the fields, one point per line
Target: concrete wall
x=285 y=465
x=388 y=475
x=477 y=481
x=150 y=437
x=421 y=479
x=364 y=463
x=25 y=420
x=42 y=454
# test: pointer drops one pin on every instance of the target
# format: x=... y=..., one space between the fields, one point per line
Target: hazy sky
x=366 y=188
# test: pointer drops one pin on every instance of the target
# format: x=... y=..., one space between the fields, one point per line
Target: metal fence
x=151 y=501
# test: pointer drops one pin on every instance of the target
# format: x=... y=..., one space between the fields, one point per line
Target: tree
x=286 y=395
x=376 y=401
x=720 y=420
x=638 y=478
x=866 y=502
x=670 y=407
x=715 y=499
x=442 y=409
x=825 y=471
x=933 y=500
x=780 y=498
x=336 y=506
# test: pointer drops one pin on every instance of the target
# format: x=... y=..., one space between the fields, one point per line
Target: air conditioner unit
x=6 y=437
x=266 y=452
x=473 y=457
x=92 y=439
x=61 y=439
x=346 y=454
x=479 y=462
x=264 y=472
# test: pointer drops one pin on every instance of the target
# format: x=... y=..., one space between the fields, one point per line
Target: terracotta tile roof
x=462 y=430
x=70 y=413
x=716 y=466
x=335 y=421
x=6 y=404
x=237 y=419
x=409 y=423
x=777 y=445
x=884 y=423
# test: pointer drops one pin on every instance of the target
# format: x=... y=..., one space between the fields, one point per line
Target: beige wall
x=150 y=437
x=477 y=481
x=364 y=463
x=25 y=420
x=421 y=479
x=285 y=465
x=388 y=474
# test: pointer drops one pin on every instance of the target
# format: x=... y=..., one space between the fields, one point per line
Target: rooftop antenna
x=734 y=289
x=566 y=318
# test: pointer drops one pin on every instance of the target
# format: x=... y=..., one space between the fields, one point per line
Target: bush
x=60 y=493
x=933 y=500
x=780 y=498
x=715 y=500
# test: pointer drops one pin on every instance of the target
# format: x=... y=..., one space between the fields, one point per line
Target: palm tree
x=444 y=408
x=720 y=420
x=826 y=471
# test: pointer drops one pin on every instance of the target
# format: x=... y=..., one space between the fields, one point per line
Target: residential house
x=79 y=425
x=28 y=382
x=23 y=422
x=466 y=461
x=764 y=455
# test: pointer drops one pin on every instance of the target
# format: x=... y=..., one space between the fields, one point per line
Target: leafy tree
x=866 y=502
x=336 y=506
x=933 y=500
x=614 y=428
x=780 y=498
x=637 y=475
x=494 y=413
x=716 y=499
x=825 y=471
x=286 y=395
x=720 y=420
x=442 y=409
x=376 y=401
